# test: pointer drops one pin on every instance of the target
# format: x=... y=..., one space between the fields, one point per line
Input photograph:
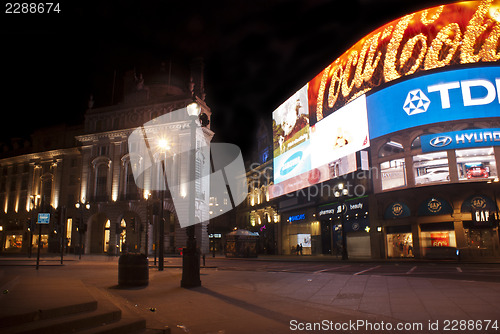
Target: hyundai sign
x=460 y=139
x=440 y=97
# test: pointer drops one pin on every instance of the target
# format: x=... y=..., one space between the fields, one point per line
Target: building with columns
x=83 y=175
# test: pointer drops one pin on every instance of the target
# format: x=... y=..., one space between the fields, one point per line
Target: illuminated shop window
x=393 y=174
x=431 y=168
x=14 y=241
x=476 y=163
x=45 y=240
x=438 y=239
x=400 y=245
x=480 y=242
x=390 y=148
x=106 y=235
x=69 y=226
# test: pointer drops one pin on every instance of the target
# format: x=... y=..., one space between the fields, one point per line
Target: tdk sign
x=416 y=102
x=460 y=139
x=467 y=86
x=439 y=97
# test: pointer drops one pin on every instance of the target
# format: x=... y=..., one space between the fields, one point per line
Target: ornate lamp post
x=81 y=206
x=190 y=257
x=340 y=194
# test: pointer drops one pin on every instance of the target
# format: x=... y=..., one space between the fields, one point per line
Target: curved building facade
x=392 y=150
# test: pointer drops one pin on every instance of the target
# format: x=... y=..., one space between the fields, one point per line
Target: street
x=269 y=295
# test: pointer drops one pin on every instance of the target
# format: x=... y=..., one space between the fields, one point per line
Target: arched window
x=122 y=234
x=390 y=148
x=415 y=144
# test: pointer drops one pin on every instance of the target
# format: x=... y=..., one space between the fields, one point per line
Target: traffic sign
x=43 y=218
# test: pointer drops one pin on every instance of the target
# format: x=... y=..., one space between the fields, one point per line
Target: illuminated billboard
x=336 y=114
x=439 y=97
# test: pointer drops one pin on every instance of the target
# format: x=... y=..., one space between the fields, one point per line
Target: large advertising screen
x=305 y=155
x=336 y=113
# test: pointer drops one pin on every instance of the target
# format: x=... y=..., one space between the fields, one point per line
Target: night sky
x=256 y=53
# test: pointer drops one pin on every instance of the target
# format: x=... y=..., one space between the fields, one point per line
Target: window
x=393 y=174
x=477 y=163
x=107 y=235
x=101 y=182
x=390 y=148
x=431 y=168
x=416 y=143
x=103 y=150
x=69 y=226
x=132 y=191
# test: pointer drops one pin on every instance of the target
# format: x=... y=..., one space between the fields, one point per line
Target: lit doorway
x=122 y=236
x=107 y=227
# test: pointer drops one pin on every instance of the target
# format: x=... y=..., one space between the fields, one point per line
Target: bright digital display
x=439 y=97
x=335 y=114
x=306 y=155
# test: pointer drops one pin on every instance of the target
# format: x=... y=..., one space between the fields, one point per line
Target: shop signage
x=297 y=217
x=439 y=97
x=397 y=210
x=43 y=218
x=478 y=203
x=480 y=216
x=460 y=139
x=435 y=206
x=357 y=206
x=440 y=239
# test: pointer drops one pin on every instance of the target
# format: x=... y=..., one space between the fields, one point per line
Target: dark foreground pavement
x=243 y=301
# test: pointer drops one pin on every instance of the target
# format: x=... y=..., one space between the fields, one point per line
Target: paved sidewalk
x=270 y=302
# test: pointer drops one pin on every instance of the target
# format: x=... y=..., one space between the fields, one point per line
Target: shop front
x=352 y=215
x=481 y=231
x=301 y=233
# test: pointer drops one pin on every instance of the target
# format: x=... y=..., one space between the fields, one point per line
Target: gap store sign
x=460 y=139
x=440 y=97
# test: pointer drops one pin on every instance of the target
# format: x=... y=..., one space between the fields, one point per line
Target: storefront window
x=431 y=168
x=477 y=163
x=480 y=242
x=393 y=174
x=45 y=239
x=307 y=234
x=14 y=241
x=400 y=245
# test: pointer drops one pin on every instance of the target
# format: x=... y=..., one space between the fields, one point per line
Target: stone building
x=83 y=175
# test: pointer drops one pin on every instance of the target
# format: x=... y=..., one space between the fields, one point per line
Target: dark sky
x=257 y=53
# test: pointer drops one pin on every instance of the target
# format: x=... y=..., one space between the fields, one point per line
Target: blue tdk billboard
x=440 y=97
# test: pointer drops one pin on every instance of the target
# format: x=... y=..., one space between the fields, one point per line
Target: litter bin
x=133 y=270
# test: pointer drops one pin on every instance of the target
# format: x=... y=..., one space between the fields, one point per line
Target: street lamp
x=340 y=193
x=81 y=206
x=190 y=256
